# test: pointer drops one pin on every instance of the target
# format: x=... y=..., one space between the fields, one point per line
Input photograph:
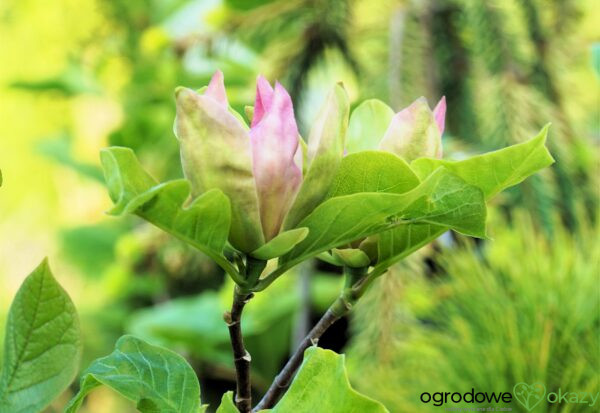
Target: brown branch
x=284 y=378
x=241 y=357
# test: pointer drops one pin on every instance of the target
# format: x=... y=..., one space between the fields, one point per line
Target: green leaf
x=204 y=223
x=491 y=172
x=373 y=171
x=368 y=124
x=442 y=199
x=495 y=171
x=322 y=385
x=125 y=177
x=227 y=404
x=397 y=243
x=156 y=379
x=42 y=345
x=281 y=244
x=324 y=155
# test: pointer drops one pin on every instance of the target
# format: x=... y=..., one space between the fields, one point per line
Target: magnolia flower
x=258 y=168
x=416 y=131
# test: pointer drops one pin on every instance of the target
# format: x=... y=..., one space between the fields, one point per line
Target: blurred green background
x=78 y=75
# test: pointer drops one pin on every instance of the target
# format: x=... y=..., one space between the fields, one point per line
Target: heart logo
x=529 y=395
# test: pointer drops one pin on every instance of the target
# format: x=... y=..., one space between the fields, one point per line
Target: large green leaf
x=373 y=171
x=491 y=172
x=442 y=199
x=42 y=345
x=368 y=124
x=322 y=385
x=495 y=171
x=156 y=379
x=204 y=223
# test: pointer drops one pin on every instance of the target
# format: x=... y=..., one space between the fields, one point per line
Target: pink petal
x=264 y=97
x=439 y=113
x=216 y=89
x=274 y=139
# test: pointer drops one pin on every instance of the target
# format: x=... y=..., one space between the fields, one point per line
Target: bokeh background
x=78 y=75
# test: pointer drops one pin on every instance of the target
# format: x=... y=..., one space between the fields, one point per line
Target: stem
x=241 y=357
x=337 y=310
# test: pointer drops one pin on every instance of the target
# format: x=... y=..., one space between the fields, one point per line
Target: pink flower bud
x=260 y=169
x=274 y=138
x=216 y=153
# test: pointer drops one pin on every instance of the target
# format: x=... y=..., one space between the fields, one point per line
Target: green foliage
x=442 y=198
x=522 y=306
x=490 y=172
x=373 y=171
x=322 y=385
x=42 y=347
x=203 y=224
x=156 y=379
x=495 y=171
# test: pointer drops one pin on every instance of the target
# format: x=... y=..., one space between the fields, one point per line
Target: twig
x=241 y=357
x=337 y=310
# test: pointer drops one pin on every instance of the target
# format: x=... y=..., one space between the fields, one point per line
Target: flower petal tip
x=216 y=88
x=439 y=114
x=262 y=102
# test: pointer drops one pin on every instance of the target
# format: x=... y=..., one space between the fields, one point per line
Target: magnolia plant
x=367 y=190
